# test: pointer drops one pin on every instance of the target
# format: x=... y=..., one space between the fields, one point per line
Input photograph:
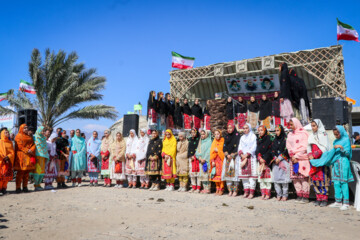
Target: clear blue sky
x=129 y=42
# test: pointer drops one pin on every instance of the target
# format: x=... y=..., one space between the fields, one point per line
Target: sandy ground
x=111 y=213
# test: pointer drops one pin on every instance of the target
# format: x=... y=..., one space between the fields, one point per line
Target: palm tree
x=62 y=88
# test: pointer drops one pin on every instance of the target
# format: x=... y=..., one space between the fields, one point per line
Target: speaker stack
x=28 y=116
x=131 y=121
x=330 y=111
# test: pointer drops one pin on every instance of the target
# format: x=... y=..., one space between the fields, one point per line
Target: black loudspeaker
x=330 y=111
x=28 y=116
x=131 y=121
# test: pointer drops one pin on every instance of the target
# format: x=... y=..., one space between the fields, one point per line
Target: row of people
x=163 y=113
x=229 y=159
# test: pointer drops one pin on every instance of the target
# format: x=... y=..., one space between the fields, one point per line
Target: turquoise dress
x=78 y=162
x=339 y=159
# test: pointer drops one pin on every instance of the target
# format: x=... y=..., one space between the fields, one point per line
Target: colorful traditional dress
x=281 y=171
x=203 y=154
x=140 y=161
x=78 y=163
x=169 y=159
x=50 y=167
x=182 y=161
x=130 y=155
x=197 y=116
x=151 y=111
x=318 y=143
x=286 y=110
x=7 y=156
x=194 y=163
x=296 y=144
x=230 y=168
x=117 y=167
x=161 y=110
x=154 y=160
x=105 y=158
x=253 y=114
x=93 y=159
x=241 y=111
x=62 y=149
x=42 y=157
x=187 y=116
x=216 y=162
x=25 y=157
x=265 y=111
x=339 y=159
x=206 y=119
x=248 y=171
x=263 y=151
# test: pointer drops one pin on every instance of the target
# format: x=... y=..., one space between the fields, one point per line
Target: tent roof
x=322 y=70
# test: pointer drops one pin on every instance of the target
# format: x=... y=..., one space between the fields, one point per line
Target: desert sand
x=111 y=213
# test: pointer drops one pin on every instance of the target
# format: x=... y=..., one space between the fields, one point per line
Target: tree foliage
x=63 y=89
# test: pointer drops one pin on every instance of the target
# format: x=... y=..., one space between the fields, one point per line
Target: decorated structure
x=322 y=69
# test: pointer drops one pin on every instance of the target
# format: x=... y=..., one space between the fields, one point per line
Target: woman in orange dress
x=24 y=158
x=216 y=162
x=7 y=155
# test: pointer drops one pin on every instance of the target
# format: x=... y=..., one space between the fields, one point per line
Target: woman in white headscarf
x=140 y=157
x=50 y=167
x=248 y=162
x=130 y=155
x=318 y=143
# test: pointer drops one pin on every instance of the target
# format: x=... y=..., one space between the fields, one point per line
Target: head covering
x=169 y=105
x=319 y=138
x=40 y=142
x=196 y=110
x=106 y=142
x=278 y=146
x=297 y=141
x=265 y=109
x=219 y=144
x=131 y=143
x=254 y=106
x=330 y=157
x=187 y=109
x=285 y=82
x=248 y=142
x=298 y=90
x=118 y=148
x=230 y=109
x=231 y=141
x=263 y=148
x=242 y=107
x=169 y=145
x=203 y=149
x=94 y=147
x=193 y=143
x=276 y=107
x=344 y=140
x=154 y=148
x=161 y=106
x=141 y=146
x=6 y=150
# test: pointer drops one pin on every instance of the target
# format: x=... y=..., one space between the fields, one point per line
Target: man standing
x=93 y=158
x=356 y=136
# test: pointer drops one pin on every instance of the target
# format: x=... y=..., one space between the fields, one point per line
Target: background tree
x=62 y=88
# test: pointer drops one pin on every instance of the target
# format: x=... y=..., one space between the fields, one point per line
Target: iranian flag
x=27 y=87
x=3 y=96
x=346 y=32
x=182 y=62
